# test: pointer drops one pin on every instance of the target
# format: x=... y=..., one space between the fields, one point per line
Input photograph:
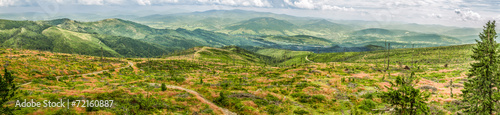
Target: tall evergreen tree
x=481 y=90
x=7 y=91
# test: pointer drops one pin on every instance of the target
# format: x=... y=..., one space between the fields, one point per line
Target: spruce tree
x=7 y=91
x=163 y=87
x=406 y=99
x=481 y=92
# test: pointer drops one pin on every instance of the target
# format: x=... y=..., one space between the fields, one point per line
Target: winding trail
x=197 y=95
x=309 y=60
x=200 y=97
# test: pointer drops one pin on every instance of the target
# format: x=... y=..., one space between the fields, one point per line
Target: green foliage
x=273 y=109
x=301 y=112
x=129 y=47
x=177 y=79
x=134 y=104
x=172 y=39
x=367 y=105
x=406 y=98
x=221 y=100
x=7 y=91
x=298 y=40
x=163 y=87
x=481 y=89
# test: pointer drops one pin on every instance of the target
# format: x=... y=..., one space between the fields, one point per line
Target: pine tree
x=7 y=91
x=406 y=99
x=481 y=92
x=163 y=87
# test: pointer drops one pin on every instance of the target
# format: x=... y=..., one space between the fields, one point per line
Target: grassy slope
x=430 y=55
x=67 y=41
x=251 y=87
x=40 y=36
x=175 y=39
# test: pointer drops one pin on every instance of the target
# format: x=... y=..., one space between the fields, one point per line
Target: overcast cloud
x=447 y=12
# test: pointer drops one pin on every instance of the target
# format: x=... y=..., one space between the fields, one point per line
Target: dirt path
x=199 y=97
x=203 y=100
x=197 y=53
x=130 y=64
x=309 y=60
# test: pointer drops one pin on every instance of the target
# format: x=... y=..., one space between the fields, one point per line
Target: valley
x=242 y=82
x=232 y=62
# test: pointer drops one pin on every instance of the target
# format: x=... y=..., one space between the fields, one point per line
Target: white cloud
x=143 y=2
x=261 y=3
x=317 y=5
x=306 y=4
x=433 y=15
x=115 y=2
x=7 y=2
x=329 y=7
x=468 y=15
x=255 y=3
x=91 y=2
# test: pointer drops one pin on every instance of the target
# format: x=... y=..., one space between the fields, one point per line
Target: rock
x=244 y=95
x=183 y=95
x=352 y=85
x=55 y=91
x=428 y=87
x=406 y=68
x=315 y=71
x=457 y=85
x=341 y=97
x=456 y=102
x=206 y=110
x=83 y=79
x=9 y=102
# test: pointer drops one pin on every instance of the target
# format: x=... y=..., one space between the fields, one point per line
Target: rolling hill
x=66 y=41
x=41 y=36
x=327 y=27
x=262 y=26
x=227 y=54
x=176 y=39
x=298 y=40
x=204 y=20
x=397 y=38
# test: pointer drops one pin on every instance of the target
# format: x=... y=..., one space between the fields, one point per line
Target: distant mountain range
x=142 y=36
x=42 y=36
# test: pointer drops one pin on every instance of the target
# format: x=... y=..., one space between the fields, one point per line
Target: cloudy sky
x=464 y=13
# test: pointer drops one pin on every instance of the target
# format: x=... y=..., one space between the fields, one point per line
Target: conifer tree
x=481 y=92
x=163 y=87
x=406 y=99
x=7 y=91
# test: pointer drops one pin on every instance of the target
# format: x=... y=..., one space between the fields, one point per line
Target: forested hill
x=175 y=39
x=42 y=36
